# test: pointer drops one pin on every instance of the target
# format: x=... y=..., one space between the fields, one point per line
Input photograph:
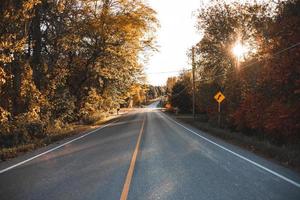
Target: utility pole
x=193 y=76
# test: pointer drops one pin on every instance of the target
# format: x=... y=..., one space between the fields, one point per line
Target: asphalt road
x=173 y=161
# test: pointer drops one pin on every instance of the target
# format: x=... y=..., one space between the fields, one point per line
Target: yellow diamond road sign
x=219 y=97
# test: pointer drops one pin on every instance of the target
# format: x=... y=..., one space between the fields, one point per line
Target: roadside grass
x=55 y=135
x=286 y=155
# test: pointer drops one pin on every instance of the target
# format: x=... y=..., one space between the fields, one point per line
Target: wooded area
x=262 y=88
x=65 y=61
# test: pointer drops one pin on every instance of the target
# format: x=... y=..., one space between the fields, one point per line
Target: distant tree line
x=155 y=92
x=262 y=88
x=144 y=93
x=64 y=61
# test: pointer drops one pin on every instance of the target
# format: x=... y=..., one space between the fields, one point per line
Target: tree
x=273 y=106
x=170 y=84
x=262 y=95
x=223 y=25
x=63 y=61
x=181 y=96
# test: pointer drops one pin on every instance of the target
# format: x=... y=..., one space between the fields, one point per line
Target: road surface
x=145 y=155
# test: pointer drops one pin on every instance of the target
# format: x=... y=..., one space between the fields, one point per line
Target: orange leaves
x=29 y=4
x=61 y=6
x=250 y=112
x=264 y=95
x=279 y=119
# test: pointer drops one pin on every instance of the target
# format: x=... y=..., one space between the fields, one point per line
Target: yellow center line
x=126 y=186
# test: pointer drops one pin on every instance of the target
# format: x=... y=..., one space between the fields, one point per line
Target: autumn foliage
x=68 y=61
x=273 y=106
x=263 y=90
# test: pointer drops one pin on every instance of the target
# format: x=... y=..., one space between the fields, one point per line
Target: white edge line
x=55 y=148
x=238 y=155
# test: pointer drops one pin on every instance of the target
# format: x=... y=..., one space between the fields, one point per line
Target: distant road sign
x=219 y=97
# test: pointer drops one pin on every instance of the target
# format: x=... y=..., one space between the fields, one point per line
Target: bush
x=63 y=106
x=23 y=129
x=93 y=118
x=15 y=136
x=35 y=130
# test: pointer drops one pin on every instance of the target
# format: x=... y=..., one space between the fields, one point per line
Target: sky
x=175 y=37
x=177 y=34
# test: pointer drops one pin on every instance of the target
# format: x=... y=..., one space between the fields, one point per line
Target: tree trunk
x=36 y=36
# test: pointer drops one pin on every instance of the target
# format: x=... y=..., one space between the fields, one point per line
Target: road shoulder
x=286 y=158
x=77 y=131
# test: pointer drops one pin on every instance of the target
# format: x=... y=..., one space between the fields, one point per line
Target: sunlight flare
x=240 y=50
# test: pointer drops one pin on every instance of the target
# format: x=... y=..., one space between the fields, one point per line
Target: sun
x=240 y=50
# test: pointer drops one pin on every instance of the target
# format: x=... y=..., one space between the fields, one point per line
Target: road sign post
x=219 y=97
x=219 y=114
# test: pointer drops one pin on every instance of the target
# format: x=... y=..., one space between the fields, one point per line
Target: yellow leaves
x=29 y=4
x=70 y=42
x=9 y=45
x=28 y=7
x=26 y=82
x=109 y=73
x=2 y=77
x=30 y=116
x=61 y=6
x=94 y=44
x=4 y=114
x=5 y=58
x=92 y=103
x=138 y=93
x=6 y=14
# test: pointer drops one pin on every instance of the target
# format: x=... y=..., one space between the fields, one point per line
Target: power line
x=244 y=67
x=181 y=91
x=249 y=65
